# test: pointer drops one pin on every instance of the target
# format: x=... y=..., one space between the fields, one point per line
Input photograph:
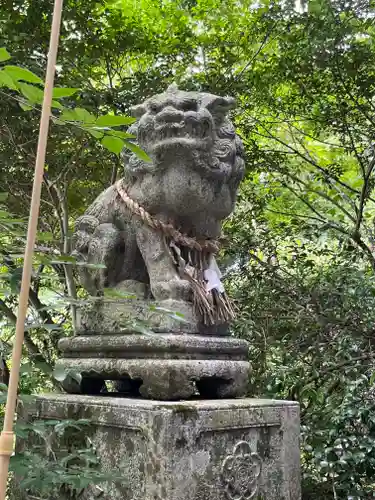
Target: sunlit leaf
x=68 y=115
x=63 y=259
x=23 y=74
x=137 y=151
x=6 y=80
x=113 y=144
x=113 y=121
x=119 y=133
x=56 y=105
x=95 y=133
x=90 y=265
x=58 y=92
x=4 y=54
x=32 y=93
x=84 y=116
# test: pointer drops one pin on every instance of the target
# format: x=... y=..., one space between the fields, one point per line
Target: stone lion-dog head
x=197 y=160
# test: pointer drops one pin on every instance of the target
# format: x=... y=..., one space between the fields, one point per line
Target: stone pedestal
x=175 y=359
x=236 y=449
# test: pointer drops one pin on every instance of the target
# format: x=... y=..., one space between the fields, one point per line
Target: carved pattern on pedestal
x=241 y=472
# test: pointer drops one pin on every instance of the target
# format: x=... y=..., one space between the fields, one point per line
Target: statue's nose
x=170 y=115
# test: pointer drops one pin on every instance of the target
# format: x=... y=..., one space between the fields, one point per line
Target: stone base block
x=116 y=315
x=157 y=366
x=193 y=450
x=167 y=380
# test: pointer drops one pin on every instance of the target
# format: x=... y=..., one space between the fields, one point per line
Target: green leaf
x=63 y=259
x=45 y=236
x=68 y=115
x=26 y=368
x=57 y=121
x=77 y=115
x=113 y=144
x=95 y=133
x=90 y=265
x=138 y=151
x=25 y=107
x=15 y=280
x=139 y=327
x=60 y=373
x=7 y=81
x=43 y=366
x=177 y=316
x=4 y=54
x=84 y=116
x=60 y=92
x=49 y=326
x=22 y=74
x=114 y=121
x=119 y=133
x=56 y=105
x=115 y=294
x=32 y=93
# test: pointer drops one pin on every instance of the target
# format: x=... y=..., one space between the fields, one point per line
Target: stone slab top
x=140 y=414
x=145 y=404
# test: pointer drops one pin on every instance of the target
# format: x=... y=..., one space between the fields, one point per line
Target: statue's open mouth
x=187 y=129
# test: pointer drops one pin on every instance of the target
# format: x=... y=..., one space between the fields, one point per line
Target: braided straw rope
x=212 y=307
x=210 y=246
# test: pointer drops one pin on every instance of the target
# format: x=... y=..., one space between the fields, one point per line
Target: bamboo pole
x=7 y=435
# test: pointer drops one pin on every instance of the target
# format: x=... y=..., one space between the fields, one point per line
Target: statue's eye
x=188 y=105
x=154 y=107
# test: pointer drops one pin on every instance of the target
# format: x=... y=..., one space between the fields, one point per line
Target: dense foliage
x=300 y=256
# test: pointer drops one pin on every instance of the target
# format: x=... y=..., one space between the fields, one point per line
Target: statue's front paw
x=176 y=288
x=85 y=228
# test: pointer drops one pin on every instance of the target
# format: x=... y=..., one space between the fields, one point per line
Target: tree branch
x=33 y=349
x=34 y=300
x=364 y=193
x=305 y=158
x=255 y=55
x=323 y=195
x=59 y=199
x=330 y=369
x=299 y=216
x=353 y=236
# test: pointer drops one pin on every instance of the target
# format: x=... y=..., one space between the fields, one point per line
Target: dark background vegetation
x=300 y=258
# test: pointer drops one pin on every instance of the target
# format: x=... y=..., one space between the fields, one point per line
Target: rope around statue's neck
x=210 y=246
x=212 y=306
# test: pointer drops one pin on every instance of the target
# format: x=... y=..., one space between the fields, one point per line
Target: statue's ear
x=217 y=105
x=138 y=111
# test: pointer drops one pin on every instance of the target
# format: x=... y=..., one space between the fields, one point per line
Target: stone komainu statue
x=159 y=224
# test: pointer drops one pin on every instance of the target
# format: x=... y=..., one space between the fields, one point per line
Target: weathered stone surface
x=196 y=450
x=165 y=380
x=161 y=346
x=117 y=315
x=196 y=164
x=157 y=366
x=128 y=239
